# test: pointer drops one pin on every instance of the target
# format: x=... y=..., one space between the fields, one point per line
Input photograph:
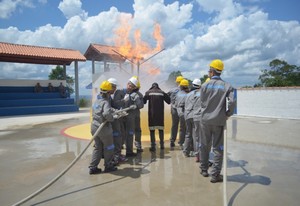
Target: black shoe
x=131 y=154
x=217 y=178
x=204 y=173
x=139 y=150
x=95 y=170
x=110 y=169
x=162 y=146
x=152 y=149
x=186 y=154
x=172 y=144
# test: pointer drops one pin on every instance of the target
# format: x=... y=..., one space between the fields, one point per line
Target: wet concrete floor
x=263 y=167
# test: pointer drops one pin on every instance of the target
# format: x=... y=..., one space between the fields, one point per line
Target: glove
x=126 y=98
x=120 y=114
x=123 y=114
x=132 y=106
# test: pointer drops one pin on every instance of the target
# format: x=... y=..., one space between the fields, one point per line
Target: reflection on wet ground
x=263 y=169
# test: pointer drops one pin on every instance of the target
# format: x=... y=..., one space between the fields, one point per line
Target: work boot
x=186 y=154
x=122 y=158
x=130 y=154
x=95 y=170
x=138 y=147
x=216 y=178
x=204 y=173
x=139 y=150
x=197 y=158
x=152 y=149
x=110 y=169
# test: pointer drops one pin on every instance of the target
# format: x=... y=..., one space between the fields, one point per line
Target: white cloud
x=8 y=7
x=72 y=8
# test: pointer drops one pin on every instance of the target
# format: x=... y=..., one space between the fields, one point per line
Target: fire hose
x=116 y=114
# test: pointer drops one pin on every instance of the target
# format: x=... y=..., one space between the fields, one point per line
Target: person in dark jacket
x=156 y=98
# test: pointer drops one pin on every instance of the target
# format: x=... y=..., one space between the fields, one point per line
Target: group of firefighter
x=200 y=112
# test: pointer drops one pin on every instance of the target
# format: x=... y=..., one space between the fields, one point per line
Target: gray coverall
x=134 y=99
x=189 y=142
x=119 y=124
x=214 y=95
x=175 y=118
x=197 y=121
x=102 y=112
x=179 y=103
x=118 y=130
x=137 y=124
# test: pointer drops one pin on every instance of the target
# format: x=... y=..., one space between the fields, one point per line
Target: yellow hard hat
x=207 y=79
x=184 y=83
x=138 y=85
x=179 y=78
x=105 y=86
x=217 y=64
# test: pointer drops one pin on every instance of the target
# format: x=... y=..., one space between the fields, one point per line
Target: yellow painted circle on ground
x=83 y=131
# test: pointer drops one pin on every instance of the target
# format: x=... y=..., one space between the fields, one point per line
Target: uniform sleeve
x=108 y=112
x=146 y=97
x=141 y=97
x=137 y=101
x=118 y=99
x=180 y=106
x=167 y=98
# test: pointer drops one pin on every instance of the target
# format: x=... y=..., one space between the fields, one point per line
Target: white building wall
x=269 y=102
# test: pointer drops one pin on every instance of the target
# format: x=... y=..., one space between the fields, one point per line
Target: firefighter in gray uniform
x=190 y=142
x=104 y=144
x=117 y=124
x=217 y=104
x=156 y=98
x=137 y=123
x=179 y=104
x=175 y=119
x=131 y=98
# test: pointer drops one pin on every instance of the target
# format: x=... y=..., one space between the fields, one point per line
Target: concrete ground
x=263 y=166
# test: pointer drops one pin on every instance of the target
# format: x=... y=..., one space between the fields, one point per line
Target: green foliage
x=84 y=102
x=203 y=79
x=58 y=74
x=280 y=74
x=172 y=77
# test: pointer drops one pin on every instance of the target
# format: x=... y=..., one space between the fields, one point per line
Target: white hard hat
x=134 y=81
x=197 y=82
x=113 y=81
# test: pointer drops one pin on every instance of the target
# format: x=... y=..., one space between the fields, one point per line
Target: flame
x=137 y=50
x=158 y=37
x=153 y=71
x=122 y=40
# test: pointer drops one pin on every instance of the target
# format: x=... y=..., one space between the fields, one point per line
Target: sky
x=245 y=34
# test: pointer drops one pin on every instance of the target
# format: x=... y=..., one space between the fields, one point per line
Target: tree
x=58 y=74
x=280 y=74
x=172 y=77
x=204 y=78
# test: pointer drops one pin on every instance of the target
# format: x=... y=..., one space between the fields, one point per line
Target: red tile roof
x=100 y=52
x=38 y=55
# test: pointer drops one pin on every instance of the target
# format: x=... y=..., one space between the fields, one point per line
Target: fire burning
x=135 y=52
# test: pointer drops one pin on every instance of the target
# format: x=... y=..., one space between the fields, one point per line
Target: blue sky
x=245 y=34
